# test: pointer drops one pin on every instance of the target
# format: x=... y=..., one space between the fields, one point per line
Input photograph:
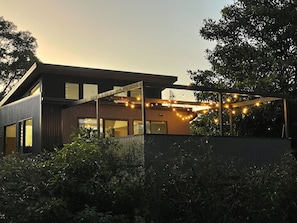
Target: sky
x=155 y=36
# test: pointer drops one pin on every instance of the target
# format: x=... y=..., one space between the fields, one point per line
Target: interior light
x=245 y=110
x=258 y=104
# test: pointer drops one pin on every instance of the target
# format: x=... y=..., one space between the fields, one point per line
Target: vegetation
x=255 y=51
x=17 y=53
x=90 y=181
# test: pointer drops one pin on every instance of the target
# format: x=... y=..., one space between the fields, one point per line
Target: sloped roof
x=39 y=68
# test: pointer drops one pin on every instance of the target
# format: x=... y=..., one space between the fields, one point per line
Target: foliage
x=198 y=186
x=23 y=188
x=85 y=181
x=255 y=51
x=89 y=181
x=17 y=53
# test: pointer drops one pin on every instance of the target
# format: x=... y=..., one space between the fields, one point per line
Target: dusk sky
x=155 y=36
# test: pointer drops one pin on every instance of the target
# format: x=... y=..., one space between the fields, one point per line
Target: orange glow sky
x=153 y=36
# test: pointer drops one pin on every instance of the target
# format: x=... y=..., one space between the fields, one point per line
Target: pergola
x=145 y=102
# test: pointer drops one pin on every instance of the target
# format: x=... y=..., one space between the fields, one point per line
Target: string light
x=245 y=110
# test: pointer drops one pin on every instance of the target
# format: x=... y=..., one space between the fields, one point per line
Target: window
x=138 y=127
x=35 y=90
x=115 y=128
x=26 y=136
x=122 y=94
x=90 y=123
x=90 y=90
x=10 y=139
x=135 y=93
x=72 y=91
x=158 y=127
x=152 y=127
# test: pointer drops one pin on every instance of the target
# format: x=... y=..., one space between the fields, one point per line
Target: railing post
x=98 y=117
x=221 y=113
x=286 y=118
x=143 y=108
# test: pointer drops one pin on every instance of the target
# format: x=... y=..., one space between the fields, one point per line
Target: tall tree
x=17 y=53
x=256 y=48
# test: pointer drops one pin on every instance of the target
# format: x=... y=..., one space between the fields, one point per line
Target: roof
x=37 y=69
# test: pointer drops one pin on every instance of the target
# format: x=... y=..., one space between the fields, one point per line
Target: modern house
x=39 y=113
x=50 y=101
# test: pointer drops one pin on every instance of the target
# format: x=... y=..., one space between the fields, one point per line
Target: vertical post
x=98 y=117
x=143 y=108
x=221 y=113
x=231 y=122
x=286 y=118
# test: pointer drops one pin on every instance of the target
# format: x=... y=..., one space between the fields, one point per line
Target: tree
x=256 y=48
x=17 y=53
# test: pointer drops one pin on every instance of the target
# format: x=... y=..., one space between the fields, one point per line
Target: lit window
x=10 y=139
x=158 y=127
x=90 y=90
x=115 y=128
x=152 y=127
x=135 y=93
x=72 y=91
x=138 y=127
x=26 y=136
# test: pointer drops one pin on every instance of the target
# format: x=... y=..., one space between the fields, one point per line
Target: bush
x=90 y=180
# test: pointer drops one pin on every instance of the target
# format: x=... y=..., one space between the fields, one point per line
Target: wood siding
x=71 y=115
x=23 y=109
x=51 y=126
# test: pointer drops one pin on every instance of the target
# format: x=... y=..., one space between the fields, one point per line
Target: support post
x=143 y=108
x=98 y=117
x=221 y=113
x=231 y=122
x=286 y=118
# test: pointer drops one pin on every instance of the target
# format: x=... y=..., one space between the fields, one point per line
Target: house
x=39 y=112
x=50 y=101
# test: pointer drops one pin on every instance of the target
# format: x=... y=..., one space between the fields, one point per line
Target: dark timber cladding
x=23 y=109
x=45 y=109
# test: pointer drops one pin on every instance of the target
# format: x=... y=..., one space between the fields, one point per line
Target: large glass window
x=90 y=123
x=138 y=127
x=10 y=139
x=152 y=127
x=158 y=127
x=26 y=136
x=90 y=90
x=72 y=91
x=135 y=93
x=115 y=128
